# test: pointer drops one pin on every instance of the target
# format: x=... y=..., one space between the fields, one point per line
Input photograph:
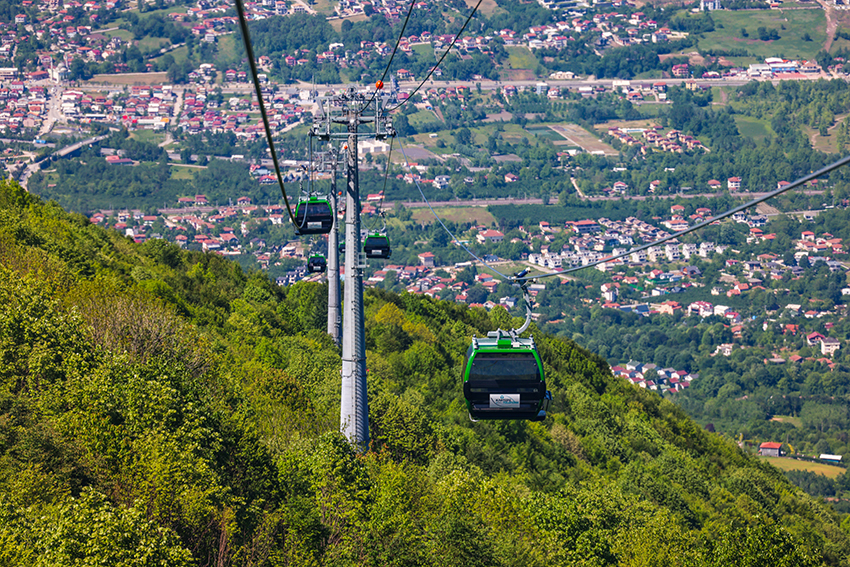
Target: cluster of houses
x=673 y=141
x=595 y=240
x=22 y=106
x=657 y=379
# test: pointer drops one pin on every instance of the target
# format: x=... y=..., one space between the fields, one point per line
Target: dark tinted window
x=318 y=210
x=508 y=366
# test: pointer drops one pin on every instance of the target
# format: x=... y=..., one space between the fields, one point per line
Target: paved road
x=33 y=167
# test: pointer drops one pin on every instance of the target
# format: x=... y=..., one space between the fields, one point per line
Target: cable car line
x=439 y=220
x=380 y=84
x=434 y=68
x=246 y=39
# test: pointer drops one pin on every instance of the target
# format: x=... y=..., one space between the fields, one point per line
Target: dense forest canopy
x=161 y=407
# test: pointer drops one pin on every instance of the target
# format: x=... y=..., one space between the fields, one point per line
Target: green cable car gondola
x=503 y=379
x=377 y=246
x=316 y=264
x=313 y=216
x=503 y=374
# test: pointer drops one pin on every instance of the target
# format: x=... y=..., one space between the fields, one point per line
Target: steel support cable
x=397 y=42
x=434 y=68
x=801 y=181
x=439 y=220
x=246 y=39
x=384 y=189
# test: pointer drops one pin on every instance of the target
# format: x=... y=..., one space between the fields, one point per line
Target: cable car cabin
x=503 y=379
x=377 y=246
x=316 y=264
x=313 y=216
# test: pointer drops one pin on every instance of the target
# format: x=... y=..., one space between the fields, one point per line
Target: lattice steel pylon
x=353 y=109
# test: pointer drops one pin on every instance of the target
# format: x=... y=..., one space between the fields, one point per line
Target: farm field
x=573 y=135
x=130 y=79
x=478 y=215
x=788 y=464
x=728 y=24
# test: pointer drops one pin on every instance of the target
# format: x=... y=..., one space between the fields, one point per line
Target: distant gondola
x=316 y=264
x=313 y=216
x=503 y=379
x=377 y=246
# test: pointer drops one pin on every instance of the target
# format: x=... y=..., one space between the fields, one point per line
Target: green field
x=512 y=133
x=786 y=464
x=754 y=128
x=152 y=44
x=521 y=58
x=422 y=117
x=728 y=24
x=184 y=172
x=148 y=136
x=424 y=51
x=178 y=54
x=545 y=133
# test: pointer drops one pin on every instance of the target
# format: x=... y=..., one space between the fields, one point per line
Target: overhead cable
x=434 y=68
x=392 y=56
x=243 y=24
x=801 y=181
x=439 y=220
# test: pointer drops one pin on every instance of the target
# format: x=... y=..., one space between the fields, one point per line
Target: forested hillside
x=160 y=407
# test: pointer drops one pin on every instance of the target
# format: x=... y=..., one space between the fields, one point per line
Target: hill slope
x=160 y=407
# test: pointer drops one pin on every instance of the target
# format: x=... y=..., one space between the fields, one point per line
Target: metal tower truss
x=350 y=117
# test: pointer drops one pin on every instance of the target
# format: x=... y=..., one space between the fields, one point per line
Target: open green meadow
x=728 y=24
x=424 y=51
x=756 y=129
x=521 y=58
x=148 y=136
x=183 y=172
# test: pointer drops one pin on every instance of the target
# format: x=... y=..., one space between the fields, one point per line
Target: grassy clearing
x=787 y=464
x=151 y=44
x=124 y=35
x=422 y=117
x=478 y=215
x=795 y=421
x=603 y=126
x=337 y=24
x=130 y=79
x=521 y=58
x=182 y=172
x=424 y=51
x=180 y=54
x=487 y=7
x=756 y=129
x=148 y=136
x=728 y=24
x=324 y=6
